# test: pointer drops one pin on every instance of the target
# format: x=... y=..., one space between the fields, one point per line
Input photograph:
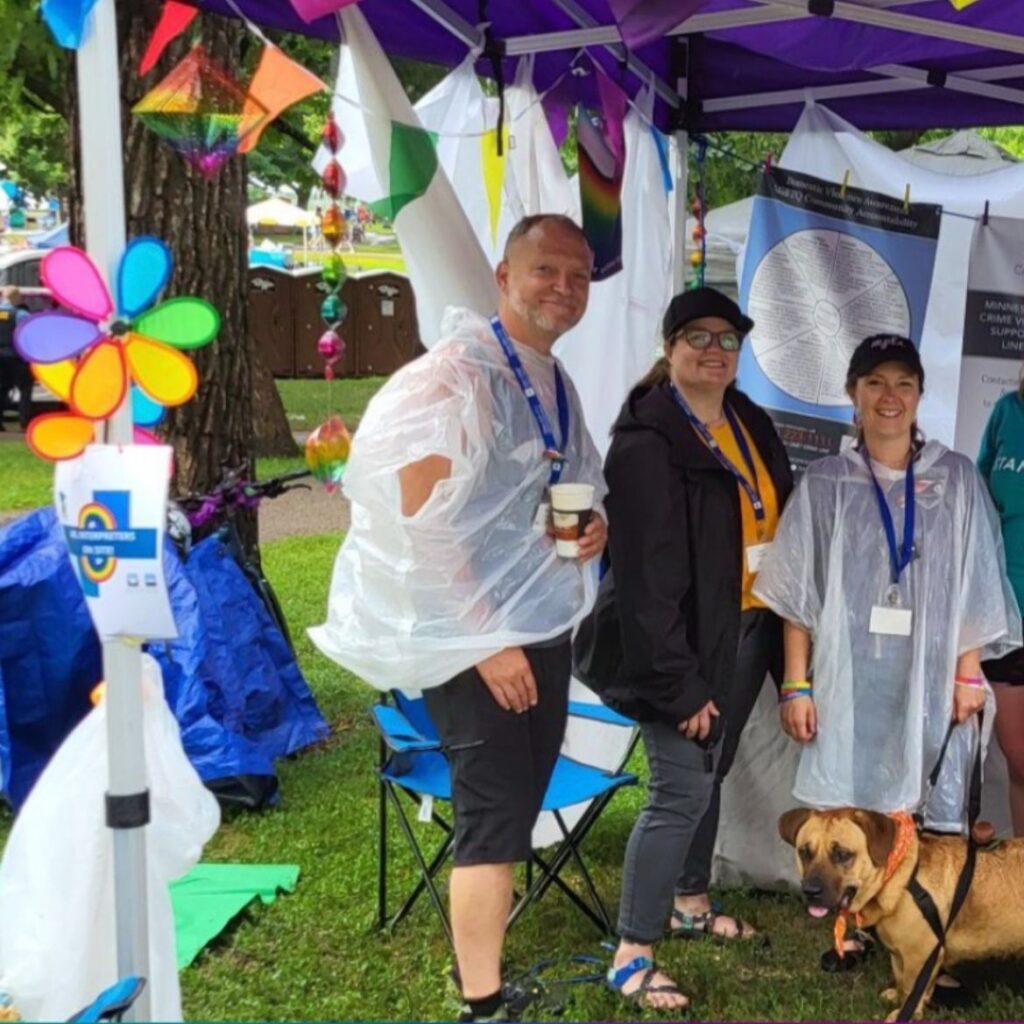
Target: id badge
x=889 y=621
x=755 y=556
x=542 y=517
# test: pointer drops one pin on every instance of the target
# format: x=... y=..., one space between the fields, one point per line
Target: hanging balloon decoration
x=327 y=451
x=332 y=226
x=699 y=209
x=327 y=448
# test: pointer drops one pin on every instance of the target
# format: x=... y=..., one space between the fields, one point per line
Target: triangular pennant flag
x=277 y=84
x=961 y=4
x=310 y=10
x=66 y=20
x=176 y=17
x=494 y=175
x=642 y=21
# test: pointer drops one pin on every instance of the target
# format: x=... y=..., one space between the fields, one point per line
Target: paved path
x=300 y=513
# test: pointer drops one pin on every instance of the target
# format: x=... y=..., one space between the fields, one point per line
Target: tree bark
x=203 y=221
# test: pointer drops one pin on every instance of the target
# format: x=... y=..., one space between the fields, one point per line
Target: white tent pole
x=100 y=145
x=679 y=265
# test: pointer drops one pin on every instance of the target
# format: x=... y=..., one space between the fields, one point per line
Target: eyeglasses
x=700 y=339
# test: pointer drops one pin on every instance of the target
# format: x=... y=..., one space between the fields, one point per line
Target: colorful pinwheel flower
x=89 y=356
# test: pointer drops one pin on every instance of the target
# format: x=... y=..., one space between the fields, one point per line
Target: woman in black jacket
x=697 y=478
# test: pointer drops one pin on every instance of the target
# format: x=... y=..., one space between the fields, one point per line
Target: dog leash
x=921 y=897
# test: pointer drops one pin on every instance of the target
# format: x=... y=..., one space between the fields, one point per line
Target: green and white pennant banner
x=392 y=165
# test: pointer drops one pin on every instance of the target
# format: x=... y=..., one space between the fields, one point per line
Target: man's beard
x=537 y=317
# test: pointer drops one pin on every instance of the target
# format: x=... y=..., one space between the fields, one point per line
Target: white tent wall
x=759 y=787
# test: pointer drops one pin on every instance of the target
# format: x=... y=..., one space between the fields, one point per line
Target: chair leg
x=443 y=852
x=551 y=871
x=435 y=898
x=571 y=842
x=382 y=857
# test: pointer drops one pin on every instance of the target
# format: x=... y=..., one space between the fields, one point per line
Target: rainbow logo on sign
x=103 y=535
x=98 y=567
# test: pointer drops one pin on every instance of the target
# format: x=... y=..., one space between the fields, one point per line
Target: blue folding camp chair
x=412 y=763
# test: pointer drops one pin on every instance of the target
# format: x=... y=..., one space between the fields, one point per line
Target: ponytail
x=657 y=375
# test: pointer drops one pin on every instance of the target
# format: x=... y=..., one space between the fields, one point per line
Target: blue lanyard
x=750 y=487
x=552 y=450
x=900 y=558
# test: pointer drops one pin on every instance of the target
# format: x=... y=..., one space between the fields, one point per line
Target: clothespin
x=906 y=199
x=846 y=181
x=984 y=216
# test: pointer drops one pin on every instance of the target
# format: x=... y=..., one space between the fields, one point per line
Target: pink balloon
x=76 y=283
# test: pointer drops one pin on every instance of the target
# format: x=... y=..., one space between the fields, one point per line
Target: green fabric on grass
x=210 y=896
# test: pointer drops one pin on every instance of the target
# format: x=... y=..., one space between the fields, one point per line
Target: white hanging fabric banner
x=825 y=145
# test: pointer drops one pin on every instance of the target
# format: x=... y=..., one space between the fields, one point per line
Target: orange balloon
x=99 y=383
x=56 y=436
x=165 y=374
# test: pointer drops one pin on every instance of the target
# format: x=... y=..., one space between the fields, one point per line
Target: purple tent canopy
x=748 y=64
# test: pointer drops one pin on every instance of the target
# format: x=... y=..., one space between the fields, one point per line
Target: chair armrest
x=399 y=733
x=598 y=713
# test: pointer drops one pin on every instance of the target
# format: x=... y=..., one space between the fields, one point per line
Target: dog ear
x=791 y=822
x=880 y=831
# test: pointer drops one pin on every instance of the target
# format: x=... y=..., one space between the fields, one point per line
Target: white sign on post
x=112 y=504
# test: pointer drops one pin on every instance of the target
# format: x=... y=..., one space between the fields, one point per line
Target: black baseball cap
x=700 y=302
x=885 y=348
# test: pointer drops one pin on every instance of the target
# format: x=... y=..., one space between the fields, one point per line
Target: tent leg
x=102 y=159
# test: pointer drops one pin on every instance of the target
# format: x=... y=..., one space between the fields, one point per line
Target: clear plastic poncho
x=415 y=600
x=884 y=703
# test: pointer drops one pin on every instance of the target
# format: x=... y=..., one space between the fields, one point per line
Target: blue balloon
x=66 y=20
x=144 y=272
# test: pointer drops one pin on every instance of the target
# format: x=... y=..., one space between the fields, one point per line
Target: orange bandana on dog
x=905 y=830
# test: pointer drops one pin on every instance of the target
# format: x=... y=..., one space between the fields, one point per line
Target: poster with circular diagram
x=825 y=269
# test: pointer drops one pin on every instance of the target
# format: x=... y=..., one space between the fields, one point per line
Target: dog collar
x=905 y=831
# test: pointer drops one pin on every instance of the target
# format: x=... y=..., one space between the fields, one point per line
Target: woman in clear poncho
x=888 y=609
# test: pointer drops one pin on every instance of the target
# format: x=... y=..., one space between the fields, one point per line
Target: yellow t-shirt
x=753 y=532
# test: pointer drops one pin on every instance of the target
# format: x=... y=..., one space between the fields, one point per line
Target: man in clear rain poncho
x=888 y=557
x=448 y=580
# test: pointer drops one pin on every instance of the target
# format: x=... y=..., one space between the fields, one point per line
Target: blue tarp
x=230 y=678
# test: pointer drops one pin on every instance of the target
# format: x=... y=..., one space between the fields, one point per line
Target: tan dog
x=858 y=861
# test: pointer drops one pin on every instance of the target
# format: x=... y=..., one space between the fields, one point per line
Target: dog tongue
x=818 y=911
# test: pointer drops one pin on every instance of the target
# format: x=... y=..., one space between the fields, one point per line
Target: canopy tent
x=277 y=213
x=743 y=64
x=731 y=65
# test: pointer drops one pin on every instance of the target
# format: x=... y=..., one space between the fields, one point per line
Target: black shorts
x=1007 y=669
x=502 y=761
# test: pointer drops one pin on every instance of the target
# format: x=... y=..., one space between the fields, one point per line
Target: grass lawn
x=26 y=482
x=309 y=402
x=315 y=954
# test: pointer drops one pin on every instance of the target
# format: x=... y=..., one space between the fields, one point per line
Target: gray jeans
x=672 y=842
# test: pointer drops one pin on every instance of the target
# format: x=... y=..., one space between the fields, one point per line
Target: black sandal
x=833 y=963
x=618 y=976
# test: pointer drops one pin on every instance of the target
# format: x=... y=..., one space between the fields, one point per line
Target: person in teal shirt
x=1001 y=462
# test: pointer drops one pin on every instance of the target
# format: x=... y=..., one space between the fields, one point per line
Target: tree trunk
x=203 y=221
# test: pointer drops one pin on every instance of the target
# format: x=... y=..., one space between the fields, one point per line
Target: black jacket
x=662 y=640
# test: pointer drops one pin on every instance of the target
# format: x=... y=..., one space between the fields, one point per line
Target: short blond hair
x=12 y=293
